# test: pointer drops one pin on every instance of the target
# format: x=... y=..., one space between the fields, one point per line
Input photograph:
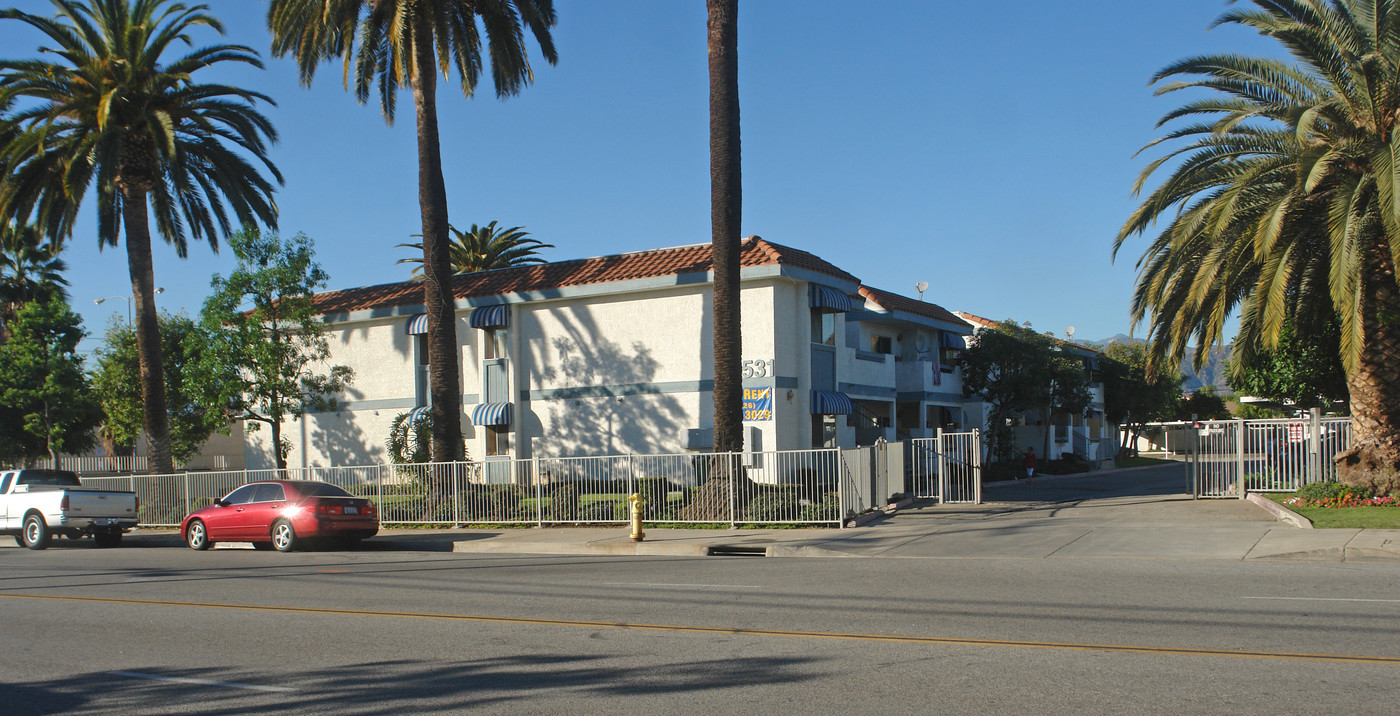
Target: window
x=493 y=343
x=823 y=431
x=881 y=344
x=320 y=489
x=823 y=327
x=49 y=477
x=420 y=371
x=269 y=492
x=497 y=440
x=242 y=495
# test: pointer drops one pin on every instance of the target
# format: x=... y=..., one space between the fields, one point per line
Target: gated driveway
x=1148 y=494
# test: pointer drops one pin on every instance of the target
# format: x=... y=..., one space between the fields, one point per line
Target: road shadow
x=499 y=684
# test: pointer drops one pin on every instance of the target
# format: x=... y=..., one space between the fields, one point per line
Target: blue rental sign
x=758 y=404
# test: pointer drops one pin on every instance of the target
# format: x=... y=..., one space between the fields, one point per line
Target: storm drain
x=736 y=550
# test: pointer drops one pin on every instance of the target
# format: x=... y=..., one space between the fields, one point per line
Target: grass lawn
x=1385 y=518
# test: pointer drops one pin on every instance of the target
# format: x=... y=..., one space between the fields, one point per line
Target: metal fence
x=947 y=467
x=799 y=487
x=1274 y=455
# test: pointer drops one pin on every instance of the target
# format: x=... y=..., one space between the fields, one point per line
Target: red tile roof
x=895 y=302
x=976 y=320
x=603 y=269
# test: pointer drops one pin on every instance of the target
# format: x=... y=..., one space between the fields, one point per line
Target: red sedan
x=282 y=513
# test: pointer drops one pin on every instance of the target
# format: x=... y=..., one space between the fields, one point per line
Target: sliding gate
x=1266 y=455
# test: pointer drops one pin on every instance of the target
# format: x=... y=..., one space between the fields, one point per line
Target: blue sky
x=986 y=148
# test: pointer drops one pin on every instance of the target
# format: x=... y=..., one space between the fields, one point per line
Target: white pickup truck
x=35 y=505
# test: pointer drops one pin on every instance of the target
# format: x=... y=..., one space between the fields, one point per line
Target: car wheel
x=197 y=536
x=284 y=538
x=107 y=538
x=36 y=533
x=19 y=540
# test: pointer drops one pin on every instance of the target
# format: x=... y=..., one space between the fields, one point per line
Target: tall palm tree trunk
x=1374 y=456
x=138 y=261
x=725 y=211
x=444 y=378
x=715 y=499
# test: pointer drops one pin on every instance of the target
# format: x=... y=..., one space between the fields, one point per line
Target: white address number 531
x=758 y=369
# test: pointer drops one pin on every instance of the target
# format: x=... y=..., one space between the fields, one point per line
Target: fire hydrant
x=637 y=534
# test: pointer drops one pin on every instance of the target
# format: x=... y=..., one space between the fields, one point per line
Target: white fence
x=106 y=465
x=801 y=487
x=947 y=467
x=1269 y=455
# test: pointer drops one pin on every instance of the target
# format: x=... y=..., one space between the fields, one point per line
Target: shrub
x=773 y=505
x=1332 y=490
x=654 y=492
x=827 y=510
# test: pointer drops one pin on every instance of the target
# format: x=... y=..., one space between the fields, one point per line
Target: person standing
x=1029 y=463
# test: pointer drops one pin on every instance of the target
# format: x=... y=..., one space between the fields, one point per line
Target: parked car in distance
x=35 y=505
x=282 y=514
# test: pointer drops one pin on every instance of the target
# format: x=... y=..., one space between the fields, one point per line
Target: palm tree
x=104 y=109
x=30 y=270
x=383 y=44
x=483 y=248
x=1283 y=202
x=726 y=197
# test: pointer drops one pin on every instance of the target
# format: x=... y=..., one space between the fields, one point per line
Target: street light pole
x=99 y=302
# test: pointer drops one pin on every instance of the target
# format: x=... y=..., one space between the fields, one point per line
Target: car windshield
x=320 y=489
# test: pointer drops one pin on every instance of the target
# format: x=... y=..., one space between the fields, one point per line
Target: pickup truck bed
x=37 y=504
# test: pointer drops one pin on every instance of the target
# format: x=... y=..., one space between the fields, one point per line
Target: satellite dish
x=1069 y=332
x=921 y=287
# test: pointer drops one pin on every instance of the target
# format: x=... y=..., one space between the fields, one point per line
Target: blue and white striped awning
x=951 y=340
x=491 y=414
x=830 y=299
x=827 y=402
x=417 y=324
x=490 y=317
x=418 y=414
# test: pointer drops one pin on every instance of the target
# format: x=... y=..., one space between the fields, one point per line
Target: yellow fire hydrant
x=637 y=534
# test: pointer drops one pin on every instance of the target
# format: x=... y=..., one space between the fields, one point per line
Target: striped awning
x=491 y=414
x=951 y=340
x=490 y=317
x=417 y=324
x=827 y=402
x=830 y=299
x=419 y=413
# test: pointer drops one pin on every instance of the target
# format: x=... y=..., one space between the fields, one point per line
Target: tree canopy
x=116 y=383
x=1133 y=395
x=110 y=107
x=1279 y=198
x=48 y=404
x=484 y=248
x=1016 y=371
x=265 y=360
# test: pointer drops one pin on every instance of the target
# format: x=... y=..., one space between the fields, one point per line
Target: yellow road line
x=897 y=638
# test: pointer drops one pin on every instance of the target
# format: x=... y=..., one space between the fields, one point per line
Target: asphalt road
x=168 y=630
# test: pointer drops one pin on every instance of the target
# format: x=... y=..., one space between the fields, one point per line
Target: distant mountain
x=1213 y=372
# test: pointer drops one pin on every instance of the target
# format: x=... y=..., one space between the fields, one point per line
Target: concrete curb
x=879 y=514
x=1282 y=513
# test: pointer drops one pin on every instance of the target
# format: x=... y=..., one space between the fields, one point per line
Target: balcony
x=925 y=377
